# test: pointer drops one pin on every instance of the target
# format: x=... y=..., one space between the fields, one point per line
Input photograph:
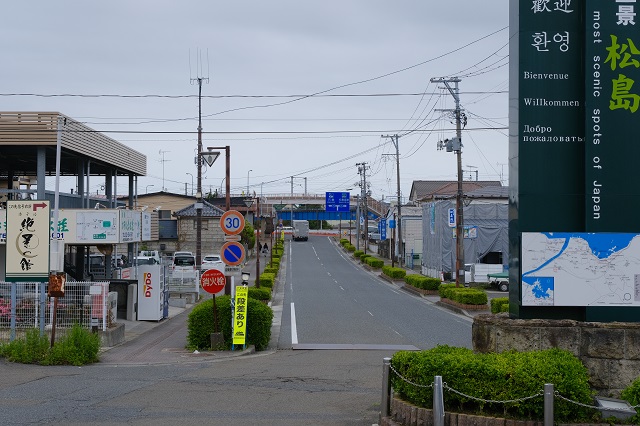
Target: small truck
x=300 y=230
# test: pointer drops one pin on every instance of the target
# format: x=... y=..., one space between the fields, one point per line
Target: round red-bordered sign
x=232 y=253
x=212 y=281
x=232 y=222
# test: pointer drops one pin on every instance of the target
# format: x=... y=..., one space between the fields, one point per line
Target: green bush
x=470 y=296
x=465 y=295
x=358 y=253
x=275 y=263
x=393 y=272
x=632 y=395
x=350 y=247
x=262 y=293
x=32 y=349
x=78 y=346
x=364 y=257
x=498 y=304
x=269 y=270
x=374 y=262
x=200 y=323
x=343 y=241
x=422 y=282
x=444 y=289
x=267 y=280
x=508 y=376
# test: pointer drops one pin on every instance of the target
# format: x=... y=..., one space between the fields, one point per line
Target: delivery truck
x=300 y=230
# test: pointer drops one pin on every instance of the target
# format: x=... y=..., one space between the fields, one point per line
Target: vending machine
x=151 y=293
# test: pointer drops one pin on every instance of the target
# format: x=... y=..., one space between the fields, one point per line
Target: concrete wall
x=610 y=351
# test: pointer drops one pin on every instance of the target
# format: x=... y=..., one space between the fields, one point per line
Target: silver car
x=211 y=261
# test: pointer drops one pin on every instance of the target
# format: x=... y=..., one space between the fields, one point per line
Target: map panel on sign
x=580 y=269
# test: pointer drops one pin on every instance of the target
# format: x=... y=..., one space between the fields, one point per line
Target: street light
x=249 y=202
x=146 y=191
x=248 y=181
x=191 y=182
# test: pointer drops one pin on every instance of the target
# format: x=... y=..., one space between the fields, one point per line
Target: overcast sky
x=368 y=64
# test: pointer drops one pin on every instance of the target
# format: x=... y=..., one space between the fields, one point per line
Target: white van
x=150 y=253
x=184 y=267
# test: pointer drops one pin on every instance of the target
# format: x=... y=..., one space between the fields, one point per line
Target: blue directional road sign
x=382 y=225
x=337 y=201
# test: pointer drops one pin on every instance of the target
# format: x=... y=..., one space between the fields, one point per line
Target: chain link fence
x=25 y=305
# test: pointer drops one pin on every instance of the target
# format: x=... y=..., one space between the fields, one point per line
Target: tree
x=248 y=236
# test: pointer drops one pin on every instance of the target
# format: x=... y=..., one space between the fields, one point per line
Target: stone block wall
x=610 y=351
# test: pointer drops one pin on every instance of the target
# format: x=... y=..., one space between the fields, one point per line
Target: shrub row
x=78 y=346
x=508 y=376
x=499 y=304
x=394 y=272
x=358 y=253
x=422 y=282
x=200 y=323
x=263 y=293
x=267 y=280
x=374 y=262
x=465 y=295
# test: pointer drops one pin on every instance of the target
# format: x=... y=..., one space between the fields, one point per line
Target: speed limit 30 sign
x=232 y=222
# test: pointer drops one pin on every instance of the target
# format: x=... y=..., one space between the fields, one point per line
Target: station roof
x=22 y=133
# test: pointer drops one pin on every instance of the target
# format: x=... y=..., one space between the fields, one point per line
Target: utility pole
x=399 y=241
x=199 y=203
x=456 y=146
x=362 y=171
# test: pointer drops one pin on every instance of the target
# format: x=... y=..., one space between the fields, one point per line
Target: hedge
x=465 y=295
x=358 y=253
x=350 y=247
x=262 y=293
x=343 y=241
x=422 y=282
x=364 y=257
x=267 y=280
x=200 y=323
x=506 y=376
x=269 y=270
x=374 y=262
x=632 y=395
x=499 y=304
x=394 y=272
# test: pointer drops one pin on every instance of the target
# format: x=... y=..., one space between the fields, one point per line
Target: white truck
x=300 y=230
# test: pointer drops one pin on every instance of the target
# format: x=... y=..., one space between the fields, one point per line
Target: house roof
x=422 y=190
x=209 y=210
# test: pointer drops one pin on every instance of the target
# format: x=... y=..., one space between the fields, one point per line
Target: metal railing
x=548 y=394
x=25 y=305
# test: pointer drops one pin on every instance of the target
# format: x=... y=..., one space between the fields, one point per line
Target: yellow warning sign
x=240 y=315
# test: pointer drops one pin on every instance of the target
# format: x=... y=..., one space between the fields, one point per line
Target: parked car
x=145 y=260
x=183 y=266
x=182 y=253
x=212 y=261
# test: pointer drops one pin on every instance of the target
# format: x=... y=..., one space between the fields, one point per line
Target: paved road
x=154 y=380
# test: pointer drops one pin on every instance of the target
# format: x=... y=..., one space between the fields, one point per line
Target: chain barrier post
x=548 y=404
x=386 y=388
x=438 y=402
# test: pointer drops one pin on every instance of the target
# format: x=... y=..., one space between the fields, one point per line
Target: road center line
x=294 y=329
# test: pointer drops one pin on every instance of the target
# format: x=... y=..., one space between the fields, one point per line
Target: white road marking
x=294 y=330
x=341 y=288
x=370 y=313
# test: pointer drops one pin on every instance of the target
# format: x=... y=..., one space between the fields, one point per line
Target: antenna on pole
x=199 y=204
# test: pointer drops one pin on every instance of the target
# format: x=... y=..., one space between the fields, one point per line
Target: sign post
x=213 y=281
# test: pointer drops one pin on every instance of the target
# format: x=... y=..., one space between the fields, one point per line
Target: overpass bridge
x=312 y=207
